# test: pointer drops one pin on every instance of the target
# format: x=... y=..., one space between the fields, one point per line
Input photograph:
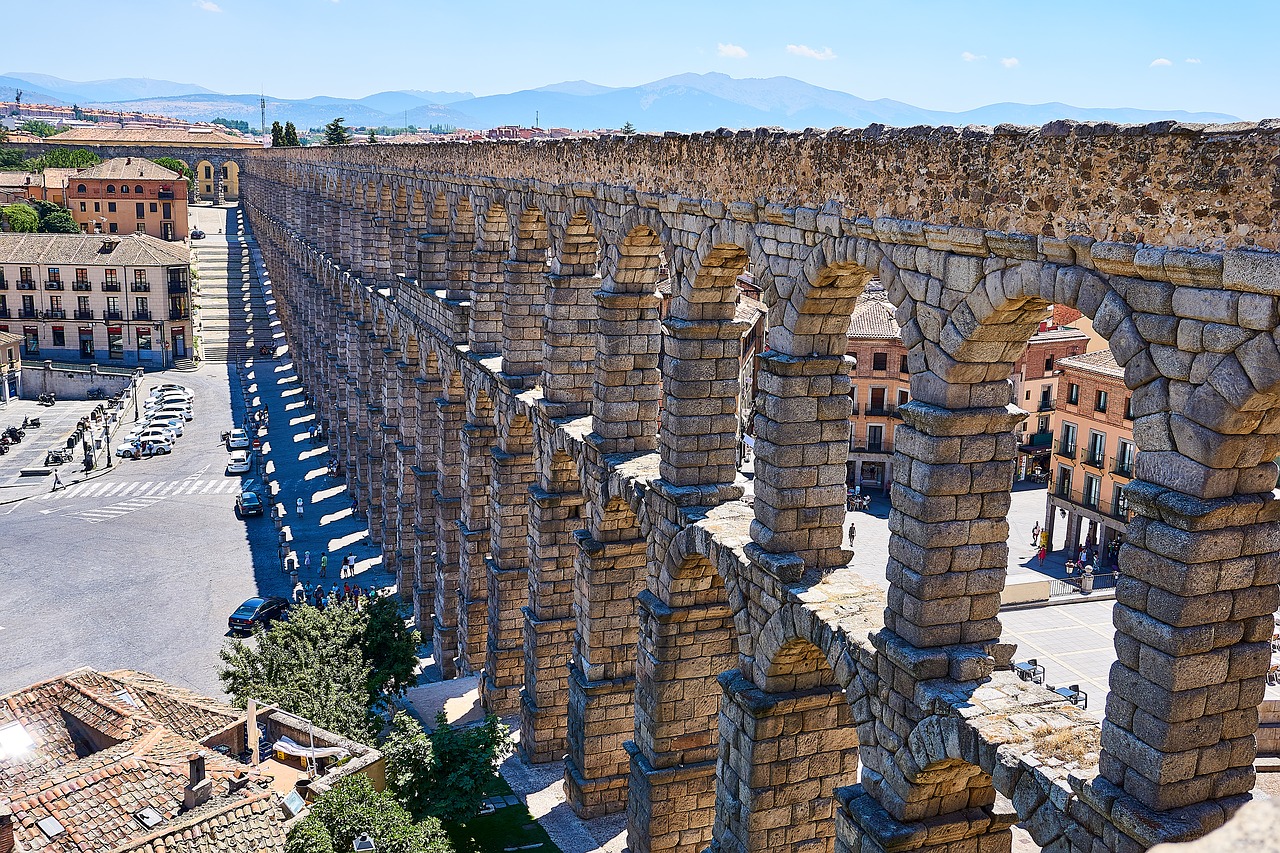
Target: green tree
x=628 y=129
x=40 y=128
x=390 y=647
x=315 y=665
x=175 y=165
x=232 y=124
x=277 y=134
x=21 y=218
x=66 y=158
x=446 y=773
x=290 y=135
x=77 y=112
x=353 y=807
x=336 y=133
x=373 y=137
x=11 y=158
x=4 y=133
x=54 y=219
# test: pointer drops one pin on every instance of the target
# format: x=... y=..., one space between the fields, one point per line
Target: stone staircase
x=233 y=315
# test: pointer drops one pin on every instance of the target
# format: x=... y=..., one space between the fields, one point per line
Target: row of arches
x=674 y=581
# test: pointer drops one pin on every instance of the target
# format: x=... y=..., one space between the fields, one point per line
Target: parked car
x=258 y=611
x=237 y=439
x=248 y=503
x=139 y=449
x=197 y=234
x=241 y=462
x=146 y=432
x=174 y=411
x=168 y=399
x=171 y=387
x=174 y=424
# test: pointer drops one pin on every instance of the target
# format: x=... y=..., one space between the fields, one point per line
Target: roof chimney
x=6 y=828
x=237 y=782
x=199 y=787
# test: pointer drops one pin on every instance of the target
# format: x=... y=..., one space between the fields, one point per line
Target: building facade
x=881 y=382
x=1035 y=389
x=121 y=300
x=10 y=366
x=127 y=195
x=1093 y=456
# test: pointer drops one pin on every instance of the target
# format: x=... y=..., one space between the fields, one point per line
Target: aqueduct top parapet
x=1196 y=186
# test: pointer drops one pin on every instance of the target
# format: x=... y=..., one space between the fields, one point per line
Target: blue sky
x=1166 y=54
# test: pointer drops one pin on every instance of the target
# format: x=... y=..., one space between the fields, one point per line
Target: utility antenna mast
x=262 y=104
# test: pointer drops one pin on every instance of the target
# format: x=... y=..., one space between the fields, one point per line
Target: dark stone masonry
x=550 y=467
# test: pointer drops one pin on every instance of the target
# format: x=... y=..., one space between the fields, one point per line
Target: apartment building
x=1035 y=388
x=881 y=383
x=110 y=299
x=127 y=195
x=1093 y=455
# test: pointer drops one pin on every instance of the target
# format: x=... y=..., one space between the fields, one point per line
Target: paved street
x=140 y=567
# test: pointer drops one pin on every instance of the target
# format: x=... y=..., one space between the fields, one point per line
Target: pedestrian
x=324 y=564
x=1035 y=534
x=306 y=560
x=57 y=482
x=299 y=505
x=346 y=590
x=1042 y=554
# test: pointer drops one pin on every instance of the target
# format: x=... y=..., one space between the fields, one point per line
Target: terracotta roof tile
x=1101 y=361
x=873 y=316
x=87 y=250
x=130 y=168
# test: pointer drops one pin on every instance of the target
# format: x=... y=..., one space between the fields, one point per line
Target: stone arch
x=231 y=180
x=569 y=350
x=484 y=320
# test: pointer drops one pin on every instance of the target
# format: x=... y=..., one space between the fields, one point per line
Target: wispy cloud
x=1010 y=62
x=1160 y=63
x=972 y=57
x=1192 y=61
x=810 y=53
x=731 y=51
x=207 y=5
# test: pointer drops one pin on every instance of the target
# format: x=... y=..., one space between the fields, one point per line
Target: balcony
x=111 y=287
x=1038 y=442
x=177 y=314
x=53 y=285
x=140 y=287
x=26 y=285
x=883 y=410
x=1094 y=459
x=83 y=315
x=142 y=315
x=1117 y=509
x=1067 y=450
x=82 y=286
x=113 y=315
x=165 y=195
x=1123 y=467
x=1045 y=406
x=28 y=314
x=870 y=447
x=55 y=314
x=178 y=287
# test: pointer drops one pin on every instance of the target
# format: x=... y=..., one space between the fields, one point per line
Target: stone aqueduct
x=550 y=468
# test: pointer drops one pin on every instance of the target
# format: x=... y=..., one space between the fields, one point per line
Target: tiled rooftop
x=88 y=250
x=130 y=168
x=1102 y=362
x=154 y=135
x=873 y=316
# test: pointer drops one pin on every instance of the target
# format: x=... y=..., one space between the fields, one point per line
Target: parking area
x=57 y=422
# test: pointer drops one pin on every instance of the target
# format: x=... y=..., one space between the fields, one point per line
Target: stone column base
x=670 y=808
x=592 y=798
x=544 y=732
x=863 y=826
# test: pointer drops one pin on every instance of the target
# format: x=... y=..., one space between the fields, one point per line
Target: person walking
x=1035 y=534
x=299 y=505
x=324 y=564
x=306 y=560
x=1042 y=554
x=57 y=482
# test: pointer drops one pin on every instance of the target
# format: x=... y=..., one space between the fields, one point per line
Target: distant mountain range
x=685 y=102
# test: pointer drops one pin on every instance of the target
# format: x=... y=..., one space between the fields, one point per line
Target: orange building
x=127 y=195
x=1035 y=389
x=1093 y=457
x=881 y=383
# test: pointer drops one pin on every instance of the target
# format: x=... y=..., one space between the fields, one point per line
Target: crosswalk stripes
x=147 y=489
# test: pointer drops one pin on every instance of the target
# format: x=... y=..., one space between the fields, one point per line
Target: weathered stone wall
x=645 y=576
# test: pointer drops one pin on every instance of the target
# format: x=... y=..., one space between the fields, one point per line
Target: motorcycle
x=15 y=435
x=30 y=423
x=57 y=457
x=47 y=399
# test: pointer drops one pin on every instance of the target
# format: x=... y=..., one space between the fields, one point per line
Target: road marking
x=129 y=487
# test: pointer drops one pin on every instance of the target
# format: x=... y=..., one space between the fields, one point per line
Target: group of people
x=261 y=418
x=321 y=598
x=346 y=569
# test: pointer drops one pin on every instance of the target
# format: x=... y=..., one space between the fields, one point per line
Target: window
x=24 y=274
x=1125 y=454
x=153 y=207
x=111 y=189
x=1073 y=394
x=142 y=228
x=1092 y=490
x=139 y=276
x=59 y=336
x=115 y=342
x=1120 y=502
x=144 y=338
x=111 y=207
x=124 y=188
x=113 y=307
x=903 y=397
x=902 y=365
x=140 y=210
x=82 y=275
x=30 y=340
x=97 y=207
x=1097 y=449
x=109 y=276
x=138 y=189
x=1048 y=364
x=82 y=304
x=875 y=437
x=81 y=188
x=1042 y=423
x=168 y=210
x=55 y=274
x=1128 y=408
x=1067 y=444
x=140 y=309
x=1100 y=404
x=208 y=173
x=880 y=361
x=55 y=303
x=84 y=208
x=113 y=228
x=1064 y=481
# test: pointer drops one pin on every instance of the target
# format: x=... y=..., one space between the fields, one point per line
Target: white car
x=167 y=412
x=241 y=462
x=237 y=439
x=143 y=433
x=171 y=386
x=150 y=447
x=174 y=424
x=167 y=400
